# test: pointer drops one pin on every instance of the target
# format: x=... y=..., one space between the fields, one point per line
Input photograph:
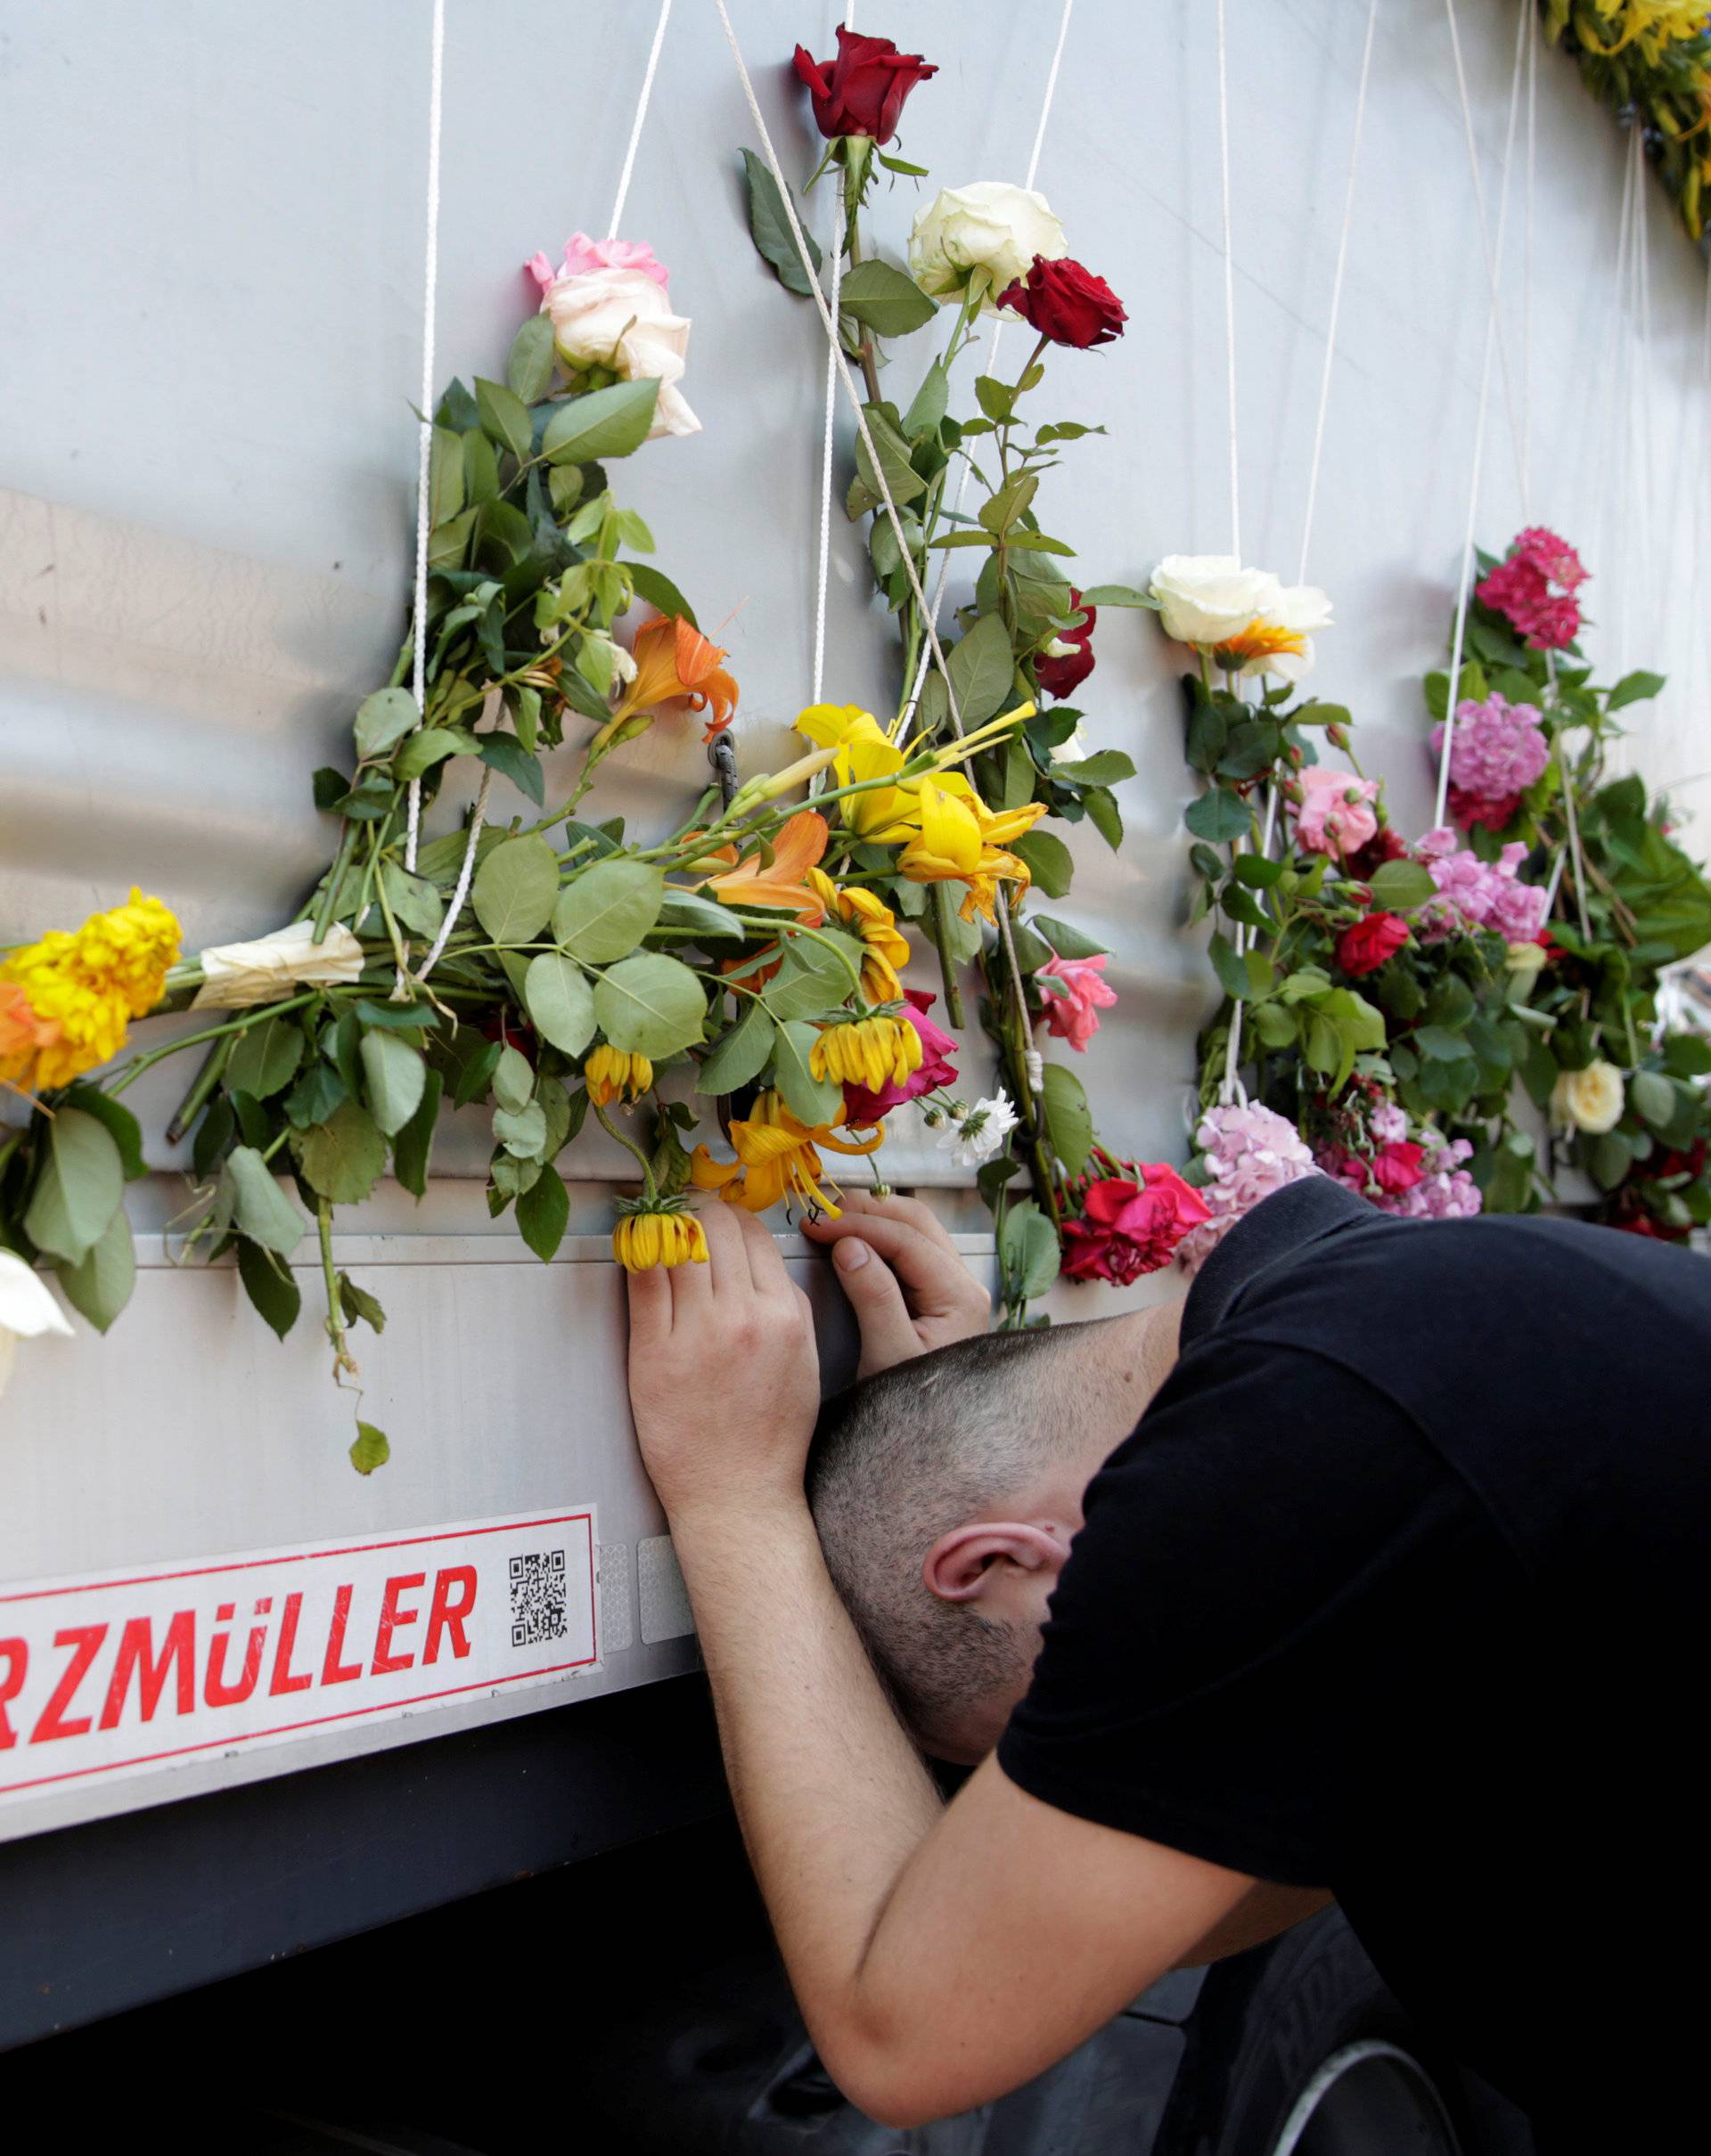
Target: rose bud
x=1066 y=302
x=862 y=91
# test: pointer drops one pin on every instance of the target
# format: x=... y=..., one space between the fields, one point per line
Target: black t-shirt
x=1400 y=1587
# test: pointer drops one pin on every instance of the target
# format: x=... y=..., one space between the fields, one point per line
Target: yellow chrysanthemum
x=643 y=1239
x=959 y=839
x=871 y=1052
x=776 y=1158
x=84 y=987
x=610 y=1072
x=1653 y=25
x=885 y=949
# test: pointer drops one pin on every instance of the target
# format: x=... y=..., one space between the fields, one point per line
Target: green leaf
x=1227 y=964
x=1027 y=1248
x=528 y=366
x=1398 y=887
x=371 y=1449
x=267 y=1282
x=1439 y=1044
x=79 y=1188
x=658 y=589
x=515 y=888
x=817 y=974
x=504 y=415
x=416 y=905
x=1208 y=732
x=739 y=1054
x=649 y=1005
x=513 y=1078
x=395 y=1080
x=542 y=1212
x=1686 y=1056
x=1257 y=872
x=344 y=1157
x=359 y=1307
x=606 y=912
x=1067 y=941
x=701 y=917
x=812 y=1100
x=126 y=1132
x=384 y=719
x=263 y=1059
x=1049 y=861
x=1218 y=816
x=900 y=475
x=446 y=479
x=523 y=1134
x=885 y=299
x=506 y=754
x=1104 y=815
x=260 y=1208
x=1609 y=1156
x=423 y=750
x=1116 y=595
x=770 y=229
x=927 y=407
x=982 y=670
x=1633 y=687
x=1069 y=1120
x=1653 y=1099
x=559 y=1002
x=604 y=423
x=1108 y=768
x=100 y=1284
x=413 y=1146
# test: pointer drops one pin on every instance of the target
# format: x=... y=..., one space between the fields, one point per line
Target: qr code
x=537 y=1598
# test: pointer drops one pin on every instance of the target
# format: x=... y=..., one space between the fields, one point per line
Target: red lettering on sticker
x=14 y=1653
x=391 y=1617
x=284 y=1678
x=447 y=1615
x=85 y=1640
x=333 y=1670
x=136 y=1654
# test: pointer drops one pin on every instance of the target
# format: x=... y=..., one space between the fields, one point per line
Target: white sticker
x=126 y=1672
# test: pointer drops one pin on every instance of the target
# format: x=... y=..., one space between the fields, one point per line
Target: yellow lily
x=959 y=839
x=776 y=1158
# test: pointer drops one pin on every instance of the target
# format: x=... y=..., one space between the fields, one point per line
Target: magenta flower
x=1478 y=893
x=1247 y=1153
x=1534 y=589
x=1336 y=815
x=1073 y=1015
x=582 y=254
x=863 y=1107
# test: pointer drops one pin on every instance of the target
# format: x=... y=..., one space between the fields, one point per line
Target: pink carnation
x=1073 y=1015
x=1534 y=589
x=1497 y=752
x=1246 y=1153
x=863 y=1108
x=1336 y=815
x=1478 y=893
x=582 y=254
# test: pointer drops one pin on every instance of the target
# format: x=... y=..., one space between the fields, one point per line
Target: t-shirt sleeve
x=1278 y=1591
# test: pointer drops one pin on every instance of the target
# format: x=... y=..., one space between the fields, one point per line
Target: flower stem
x=940 y=917
x=202 y=1090
x=649 y=1188
x=138 y=1064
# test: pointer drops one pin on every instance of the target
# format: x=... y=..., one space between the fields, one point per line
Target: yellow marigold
x=83 y=988
x=610 y=1072
x=660 y=1234
x=885 y=949
x=871 y=1052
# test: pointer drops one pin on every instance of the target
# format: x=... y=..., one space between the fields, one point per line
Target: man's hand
x=724 y=1376
x=905 y=1277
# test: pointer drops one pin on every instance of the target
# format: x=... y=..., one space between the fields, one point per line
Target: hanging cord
x=854 y=394
x=991 y=367
x=637 y=124
x=1229 y=289
x=1642 y=407
x=425 y=423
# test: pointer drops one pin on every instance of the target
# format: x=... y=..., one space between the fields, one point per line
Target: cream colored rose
x=990 y=231
x=620 y=319
x=1590 y=1100
x=235 y=977
x=1209 y=598
x=1523 y=962
x=27 y=1308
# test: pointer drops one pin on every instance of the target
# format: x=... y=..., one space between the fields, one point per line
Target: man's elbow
x=900 y=2085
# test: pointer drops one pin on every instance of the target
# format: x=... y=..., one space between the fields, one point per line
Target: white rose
x=620 y=319
x=27 y=1308
x=237 y=975
x=1590 y=1100
x=1207 y=599
x=991 y=231
x=1077 y=745
x=1524 y=962
x=1298 y=611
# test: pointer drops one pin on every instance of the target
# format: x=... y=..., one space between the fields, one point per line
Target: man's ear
x=962 y=1565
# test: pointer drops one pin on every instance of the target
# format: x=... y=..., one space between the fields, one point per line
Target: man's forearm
x=833 y=1797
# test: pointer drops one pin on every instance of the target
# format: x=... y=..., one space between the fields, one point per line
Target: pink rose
x=582 y=254
x=863 y=1108
x=1072 y=1015
x=1336 y=815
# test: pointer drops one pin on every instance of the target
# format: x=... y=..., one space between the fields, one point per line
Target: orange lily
x=776 y=1158
x=796 y=851
x=674 y=659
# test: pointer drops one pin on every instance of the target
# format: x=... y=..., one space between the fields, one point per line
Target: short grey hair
x=902 y=1457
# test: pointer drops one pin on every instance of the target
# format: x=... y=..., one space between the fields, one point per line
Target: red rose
x=1067 y=303
x=1386 y=844
x=1129 y=1227
x=1063 y=676
x=1364 y=947
x=1398 y=1166
x=862 y=92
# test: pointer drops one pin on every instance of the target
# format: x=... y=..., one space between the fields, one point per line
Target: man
x=1392 y=1588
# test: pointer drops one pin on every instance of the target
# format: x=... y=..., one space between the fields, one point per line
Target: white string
x=641 y=116
x=1526 y=269
x=425 y=426
x=1229 y=289
x=1051 y=91
x=1643 y=408
x=455 y=904
x=826 y=446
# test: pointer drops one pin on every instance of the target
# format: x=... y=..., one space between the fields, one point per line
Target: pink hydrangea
x=1497 y=752
x=1478 y=893
x=1444 y=1191
x=582 y=254
x=1247 y=1153
x=1336 y=815
x=1534 y=589
x=1073 y=1014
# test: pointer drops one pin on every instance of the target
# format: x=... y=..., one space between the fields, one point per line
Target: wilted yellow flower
x=959 y=839
x=612 y=1071
x=82 y=988
x=885 y=949
x=776 y=1158
x=658 y=1235
x=1653 y=25
x=871 y=1052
